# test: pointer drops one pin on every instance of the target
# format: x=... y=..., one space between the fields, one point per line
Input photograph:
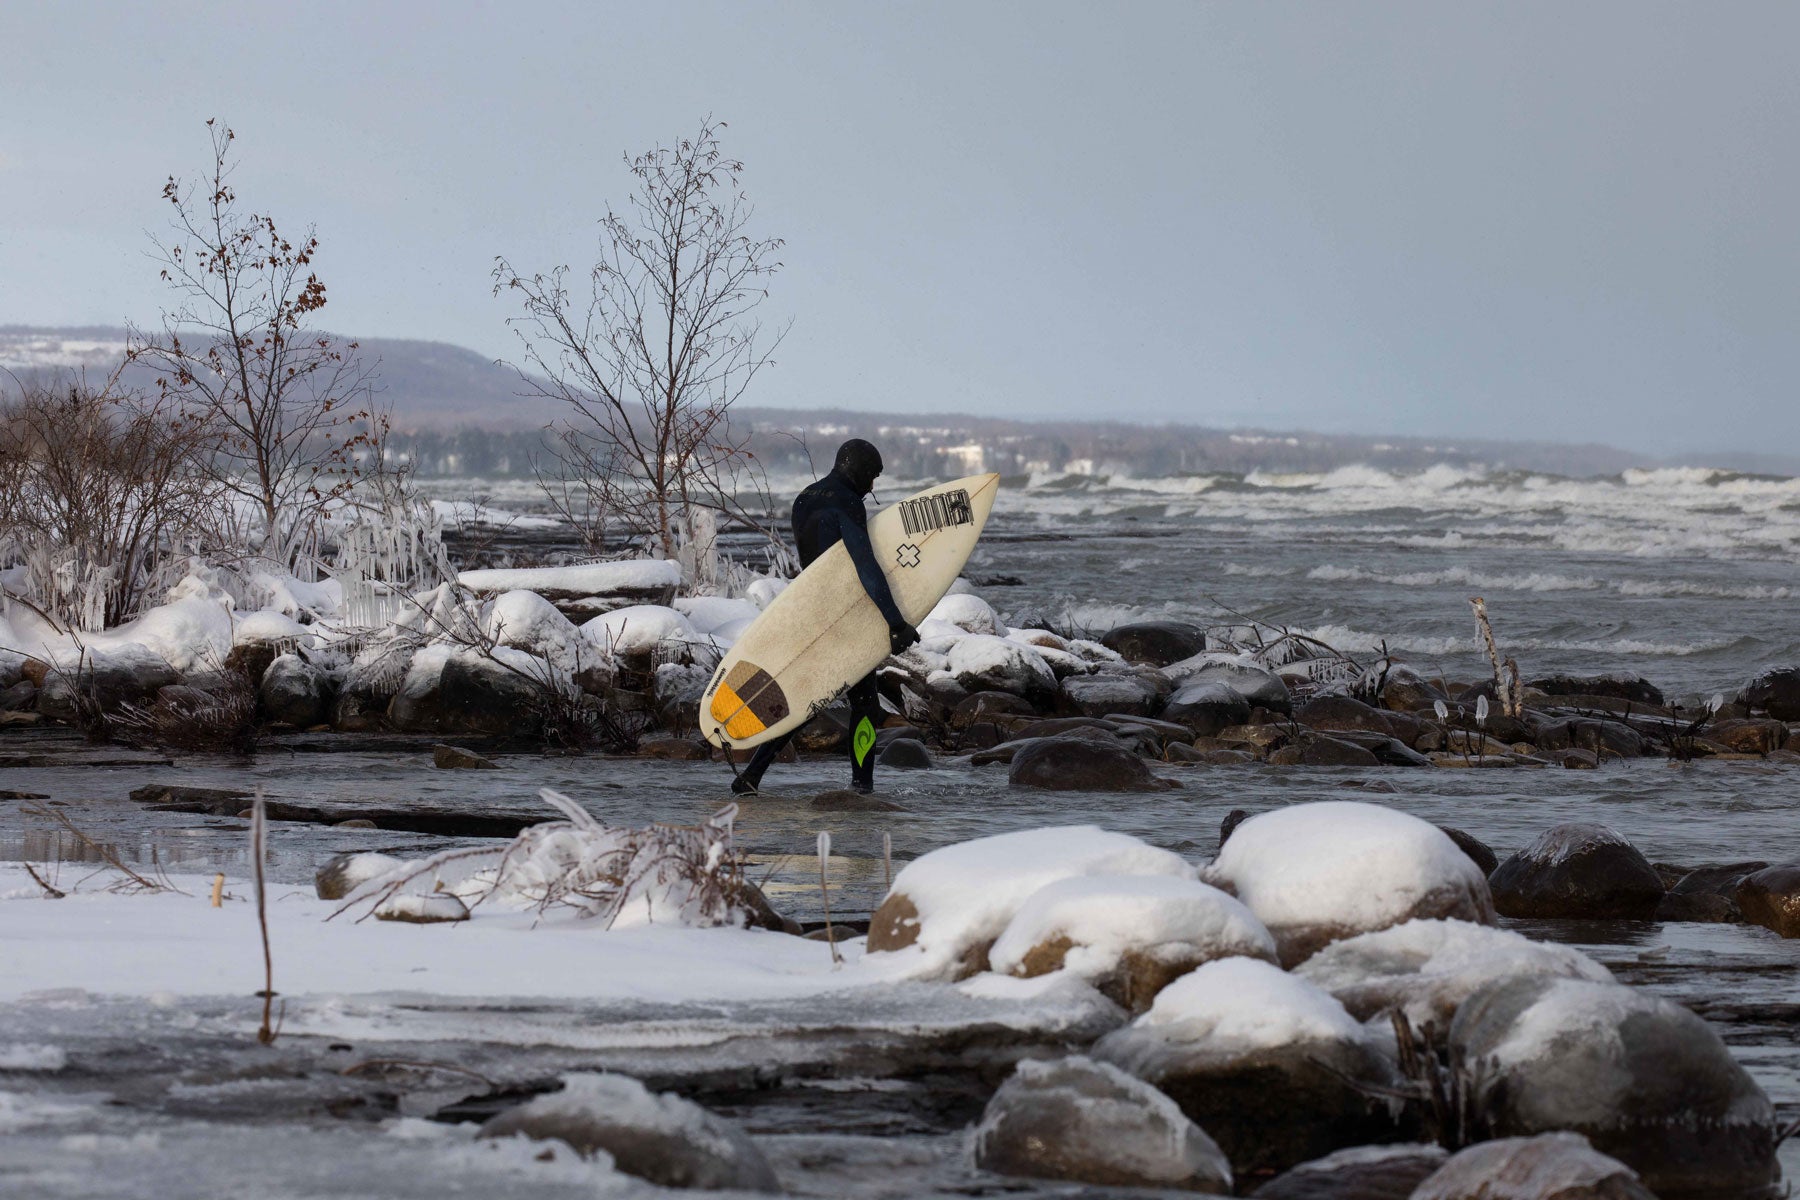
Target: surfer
x=826 y=512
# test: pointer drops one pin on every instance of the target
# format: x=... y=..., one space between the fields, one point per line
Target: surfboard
x=823 y=633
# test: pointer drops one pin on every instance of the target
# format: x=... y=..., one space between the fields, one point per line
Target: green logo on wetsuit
x=864 y=741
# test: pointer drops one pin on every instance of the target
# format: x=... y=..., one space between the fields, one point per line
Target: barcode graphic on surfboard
x=935 y=512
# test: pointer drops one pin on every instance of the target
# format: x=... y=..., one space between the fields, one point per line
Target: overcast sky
x=1569 y=222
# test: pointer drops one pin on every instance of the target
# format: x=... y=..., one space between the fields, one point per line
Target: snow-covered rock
x=1259 y=686
x=1087 y=1121
x=1555 y=1166
x=1644 y=1079
x=118 y=673
x=1427 y=968
x=526 y=621
x=1578 y=870
x=1261 y=1060
x=1318 y=873
x=638 y=630
x=761 y=591
x=588 y=590
x=449 y=690
x=968 y=612
x=982 y=662
x=266 y=626
x=1128 y=935
x=1206 y=708
x=1103 y=695
x=344 y=873
x=947 y=907
x=433 y=908
x=294 y=692
x=294 y=597
x=655 y=1136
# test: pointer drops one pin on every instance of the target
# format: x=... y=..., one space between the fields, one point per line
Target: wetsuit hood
x=858 y=463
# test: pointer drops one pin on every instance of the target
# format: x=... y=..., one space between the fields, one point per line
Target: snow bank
x=290 y=596
x=1314 y=873
x=709 y=614
x=1107 y=915
x=267 y=626
x=950 y=904
x=1428 y=968
x=638 y=629
x=525 y=620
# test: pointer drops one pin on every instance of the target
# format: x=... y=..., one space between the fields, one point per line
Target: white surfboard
x=823 y=633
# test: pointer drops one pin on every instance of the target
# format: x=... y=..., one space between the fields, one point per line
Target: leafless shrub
x=100 y=491
x=220 y=718
x=289 y=406
x=130 y=881
x=259 y=851
x=650 y=360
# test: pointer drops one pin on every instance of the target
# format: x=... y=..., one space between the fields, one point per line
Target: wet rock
x=905 y=754
x=1748 y=736
x=1388 y=751
x=1644 y=1079
x=1478 y=851
x=1090 y=1122
x=1555 y=1166
x=1330 y=752
x=1603 y=738
x=1777 y=692
x=344 y=873
x=1577 y=870
x=1259 y=687
x=294 y=692
x=1427 y=969
x=827 y=733
x=1634 y=688
x=251 y=659
x=18 y=695
x=1405 y=690
x=1771 y=898
x=1129 y=936
x=1206 y=708
x=1265 y=1062
x=1575 y=760
x=1157 y=643
x=1317 y=873
x=673 y=749
x=1334 y=713
x=847 y=800
x=1706 y=894
x=1095 y=727
x=219 y=800
x=1066 y=763
x=455 y=758
x=982 y=706
x=433 y=908
x=1359 y=1173
x=658 y=1137
x=1098 y=695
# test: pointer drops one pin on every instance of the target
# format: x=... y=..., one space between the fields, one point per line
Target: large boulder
x=1079 y=764
x=1577 y=870
x=968 y=612
x=983 y=663
x=1604 y=738
x=1552 y=1166
x=127 y=673
x=1634 y=688
x=1206 y=708
x=1259 y=686
x=1317 y=873
x=1090 y=1122
x=1644 y=1079
x=985 y=706
x=1344 y=713
x=658 y=1137
x=946 y=908
x=526 y=621
x=1777 y=692
x=1771 y=898
x=1128 y=935
x=1157 y=643
x=294 y=692
x=1359 y=1173
x=1268 y=1064
x=1426 y=969
x=449 y=691
x=1707 y=893
x=905 y=754
x=1405 y=690
x=1748 y=735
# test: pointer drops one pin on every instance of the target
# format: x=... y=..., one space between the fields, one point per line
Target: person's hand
x=900 y=637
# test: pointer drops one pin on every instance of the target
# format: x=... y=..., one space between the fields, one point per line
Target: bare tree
x=289 y=404
x=651 y=358
x=98 y=491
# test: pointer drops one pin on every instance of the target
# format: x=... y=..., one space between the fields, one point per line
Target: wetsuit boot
x=749 y=781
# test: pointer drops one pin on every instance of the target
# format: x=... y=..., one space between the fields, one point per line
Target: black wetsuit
x=829 y=511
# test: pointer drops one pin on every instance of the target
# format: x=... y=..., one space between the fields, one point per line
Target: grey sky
x=1561 y=221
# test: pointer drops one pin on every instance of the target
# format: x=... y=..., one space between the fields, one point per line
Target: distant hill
x=457 y=409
